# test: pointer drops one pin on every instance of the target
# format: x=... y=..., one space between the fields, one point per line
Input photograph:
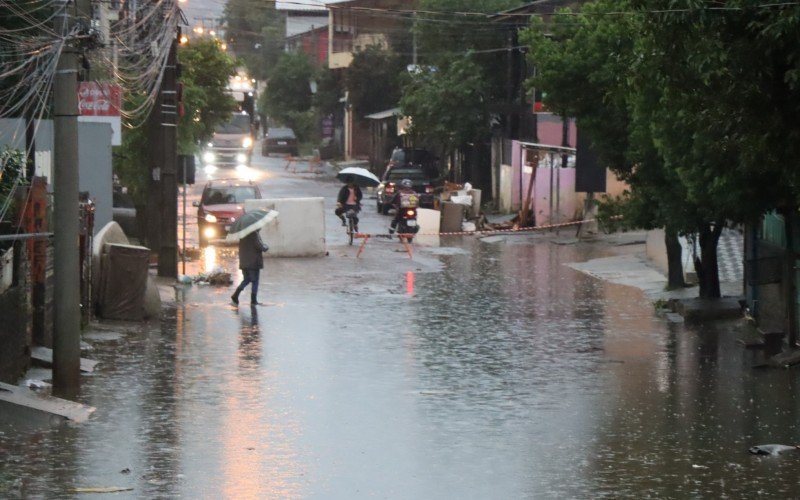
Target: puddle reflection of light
x=209 y=258
x=410 y=283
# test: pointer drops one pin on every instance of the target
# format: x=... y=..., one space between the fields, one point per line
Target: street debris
x=216 y=276
x=109 y=489
x=772 y=449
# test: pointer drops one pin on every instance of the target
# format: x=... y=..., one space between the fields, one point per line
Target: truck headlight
x=241 y=158
x=209 y=157
x=211 y=218
x=247 y=142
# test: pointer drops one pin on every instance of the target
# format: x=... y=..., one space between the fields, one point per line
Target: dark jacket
x=345 y=192
x=250 y=252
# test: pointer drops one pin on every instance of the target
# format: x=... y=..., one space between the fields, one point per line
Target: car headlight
x=209 y=232
x=241 y=158
x=211 y=218
x=247 y=142
x=209 y=157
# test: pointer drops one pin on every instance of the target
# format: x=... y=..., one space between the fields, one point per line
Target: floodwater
x=479 y=370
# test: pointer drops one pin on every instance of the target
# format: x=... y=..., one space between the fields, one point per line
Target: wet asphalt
x=476 y=369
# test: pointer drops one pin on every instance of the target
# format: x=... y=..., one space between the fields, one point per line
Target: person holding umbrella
x=251 y=249
x=349 y=197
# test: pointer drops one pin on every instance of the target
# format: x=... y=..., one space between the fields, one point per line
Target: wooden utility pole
x=66 y=215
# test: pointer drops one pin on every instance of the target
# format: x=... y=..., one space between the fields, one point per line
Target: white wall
x=299 y=230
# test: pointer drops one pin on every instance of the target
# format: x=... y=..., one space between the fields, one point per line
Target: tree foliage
x=460 y=76
x=288 y=99
x=373 y=80
x=205 y=72
x=256 y=32
x=675 y=103
x=446 y=106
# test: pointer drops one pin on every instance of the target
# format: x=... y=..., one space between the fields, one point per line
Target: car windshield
x=239 y=124
x=402 y=156
x=416 y=176
x=280 y=133
x=233 y=194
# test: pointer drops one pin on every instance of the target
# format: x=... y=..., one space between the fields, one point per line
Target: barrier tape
x=404 y=236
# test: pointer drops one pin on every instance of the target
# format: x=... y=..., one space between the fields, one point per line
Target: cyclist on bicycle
x=349 y=197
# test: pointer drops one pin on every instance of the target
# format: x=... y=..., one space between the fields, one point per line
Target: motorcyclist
x=405 y=197
x=349 y=197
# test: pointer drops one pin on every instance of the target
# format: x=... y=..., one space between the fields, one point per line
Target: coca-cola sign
x=99 y=99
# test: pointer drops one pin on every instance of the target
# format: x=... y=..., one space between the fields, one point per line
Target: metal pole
x=183 y=252
x=66 y=215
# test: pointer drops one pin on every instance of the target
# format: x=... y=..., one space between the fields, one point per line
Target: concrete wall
x=94 y=159
x=299 y=230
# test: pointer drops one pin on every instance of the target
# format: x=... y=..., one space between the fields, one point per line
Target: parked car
x=221 y=203
x=123 y=212
x=414 y=158
x=423 y=184
x=279 y=140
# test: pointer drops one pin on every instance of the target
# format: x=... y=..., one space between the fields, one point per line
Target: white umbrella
x=250 y=222
x=361 y=176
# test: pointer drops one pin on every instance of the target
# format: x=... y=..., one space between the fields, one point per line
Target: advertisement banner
x=99 y=99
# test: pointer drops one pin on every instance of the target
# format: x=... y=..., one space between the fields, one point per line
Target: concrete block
x=429 y=222
x=699 y=310
x=299 y=230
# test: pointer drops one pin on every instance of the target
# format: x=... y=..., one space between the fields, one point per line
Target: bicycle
x=352 y=227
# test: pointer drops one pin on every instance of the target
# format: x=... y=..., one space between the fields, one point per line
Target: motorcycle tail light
x=411 y=212
x=428 y=189
x=390 y=187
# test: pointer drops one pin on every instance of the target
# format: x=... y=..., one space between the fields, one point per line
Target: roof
x=381 y=115
x=304 y=5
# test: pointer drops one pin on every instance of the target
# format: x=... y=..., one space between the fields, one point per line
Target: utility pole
x=168 y=249
x=66 y=338
x=162 y=187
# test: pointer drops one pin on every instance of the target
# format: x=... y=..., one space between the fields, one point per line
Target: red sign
x=99 y=99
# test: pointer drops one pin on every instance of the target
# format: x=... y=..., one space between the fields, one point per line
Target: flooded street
x=478 y=369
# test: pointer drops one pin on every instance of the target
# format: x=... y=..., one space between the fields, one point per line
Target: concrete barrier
x=299 y=230
x=429 y=222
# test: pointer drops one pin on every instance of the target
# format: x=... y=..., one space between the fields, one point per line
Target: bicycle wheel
x=350 y=229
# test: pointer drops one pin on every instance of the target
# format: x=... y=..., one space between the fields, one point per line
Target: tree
x=256 y=32
x=702 y=142
x=582 y=63
x=205 y=72
x=288 y=98
x=373 y=80
x=447 y=106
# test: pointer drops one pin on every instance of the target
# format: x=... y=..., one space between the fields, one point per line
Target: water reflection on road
x=505 y=374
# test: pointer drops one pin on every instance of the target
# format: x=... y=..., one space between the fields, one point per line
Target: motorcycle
x=407 y=224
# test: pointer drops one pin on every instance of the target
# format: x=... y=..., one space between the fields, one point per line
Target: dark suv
x=221 y=204
x=422 y=183
x=415 y=158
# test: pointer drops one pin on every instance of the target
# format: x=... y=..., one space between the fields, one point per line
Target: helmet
x=406 y=183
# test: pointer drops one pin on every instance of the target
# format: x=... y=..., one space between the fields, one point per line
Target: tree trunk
x=706 y=265
x=674 y=259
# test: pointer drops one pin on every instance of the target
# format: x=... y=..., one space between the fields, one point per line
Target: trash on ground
x=216 y=276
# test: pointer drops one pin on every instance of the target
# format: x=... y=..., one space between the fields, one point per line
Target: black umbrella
x=250 y=222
